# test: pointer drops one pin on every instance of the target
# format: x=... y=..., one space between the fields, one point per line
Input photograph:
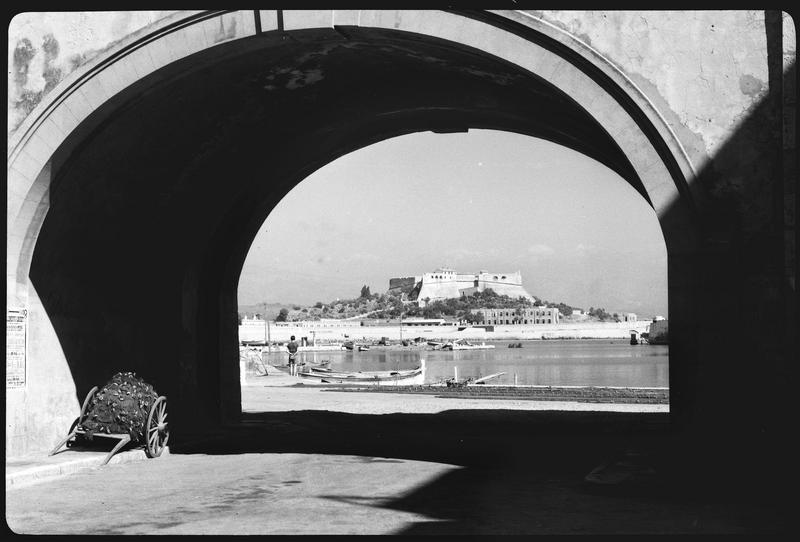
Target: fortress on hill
x=445 y=283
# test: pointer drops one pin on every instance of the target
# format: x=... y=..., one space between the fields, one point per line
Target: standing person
x=292 y=347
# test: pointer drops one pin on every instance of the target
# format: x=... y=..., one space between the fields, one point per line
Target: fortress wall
x=403 y=282
x=511 y=290
x=438 y=289
x=452 y=284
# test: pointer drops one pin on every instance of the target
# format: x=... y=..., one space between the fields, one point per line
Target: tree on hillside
x=365 y=291
x=599 y=313
x=283 y=315
x=474 y=318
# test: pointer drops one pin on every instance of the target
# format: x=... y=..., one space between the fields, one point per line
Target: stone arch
x=90 y=96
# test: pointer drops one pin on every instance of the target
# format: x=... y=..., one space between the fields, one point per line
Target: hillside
x=391 y=305
x=273 y=309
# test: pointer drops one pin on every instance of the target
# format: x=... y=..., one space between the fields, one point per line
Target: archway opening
x=542 y=262
x=175 y=177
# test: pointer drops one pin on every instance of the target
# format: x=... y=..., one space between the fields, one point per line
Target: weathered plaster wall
x=45 y=47
x=703 y=70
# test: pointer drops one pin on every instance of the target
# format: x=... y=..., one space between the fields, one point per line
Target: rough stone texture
x=46 y=47
x=703 y=70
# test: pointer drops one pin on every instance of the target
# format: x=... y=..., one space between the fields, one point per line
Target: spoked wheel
x=72 y=427
x=157 y=432
x=82 y=415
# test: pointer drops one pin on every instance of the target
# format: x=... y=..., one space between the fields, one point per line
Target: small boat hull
x=467 y=346
x=369 y=378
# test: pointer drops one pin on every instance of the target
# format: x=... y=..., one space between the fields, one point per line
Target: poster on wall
x=16 y=331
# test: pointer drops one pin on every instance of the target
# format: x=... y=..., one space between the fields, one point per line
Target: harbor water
x=546 y=363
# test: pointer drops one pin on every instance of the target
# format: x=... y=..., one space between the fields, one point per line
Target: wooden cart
x=156 y=430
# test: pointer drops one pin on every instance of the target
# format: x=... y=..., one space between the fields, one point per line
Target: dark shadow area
x=523 y=472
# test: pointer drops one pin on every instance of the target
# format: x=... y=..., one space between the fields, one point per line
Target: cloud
x=541 y=250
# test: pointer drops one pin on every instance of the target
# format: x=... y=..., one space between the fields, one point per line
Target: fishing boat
x=323 y=365
x=436 y=344
x=371 y=378
x=463 y=344
x=363 y=347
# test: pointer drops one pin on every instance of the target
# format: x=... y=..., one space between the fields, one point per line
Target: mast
x=266 y=329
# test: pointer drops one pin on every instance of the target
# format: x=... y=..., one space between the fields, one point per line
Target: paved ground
x=424 y=467
x=231 y=494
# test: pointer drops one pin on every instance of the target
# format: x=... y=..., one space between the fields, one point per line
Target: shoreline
x=279 y=391
x=422 y=345
x=518 y=332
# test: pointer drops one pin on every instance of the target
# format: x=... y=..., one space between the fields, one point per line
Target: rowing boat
x=463 y=344
x=379 y=378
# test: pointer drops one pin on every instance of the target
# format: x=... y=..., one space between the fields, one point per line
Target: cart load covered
x=121 y=406
x=126 y=408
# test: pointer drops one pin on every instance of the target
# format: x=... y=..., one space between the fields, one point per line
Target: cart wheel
x=157 y=428
x=82 y=415
x=72 y=427
x=85 y=405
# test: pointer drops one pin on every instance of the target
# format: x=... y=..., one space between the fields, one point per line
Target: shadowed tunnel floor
x=524 y=472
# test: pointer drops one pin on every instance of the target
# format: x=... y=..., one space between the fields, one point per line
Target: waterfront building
x=254 y=321
x=321 y=323
x=659 y=332
x=394 y=322
x=527 y=316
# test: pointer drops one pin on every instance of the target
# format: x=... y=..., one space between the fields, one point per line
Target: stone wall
x=45 y=47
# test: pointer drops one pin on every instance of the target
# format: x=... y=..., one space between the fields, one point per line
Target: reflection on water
x=547 y=363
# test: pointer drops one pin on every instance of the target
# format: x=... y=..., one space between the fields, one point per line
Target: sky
x=485 y=199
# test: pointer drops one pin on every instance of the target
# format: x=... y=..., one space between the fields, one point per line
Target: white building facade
x=506 y=316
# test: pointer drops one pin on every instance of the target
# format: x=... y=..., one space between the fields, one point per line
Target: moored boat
x=379 y=378
x=463 y=344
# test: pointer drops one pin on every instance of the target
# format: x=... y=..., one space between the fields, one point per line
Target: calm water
x=548 y=363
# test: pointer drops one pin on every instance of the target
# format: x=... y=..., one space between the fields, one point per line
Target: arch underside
x=152 y=213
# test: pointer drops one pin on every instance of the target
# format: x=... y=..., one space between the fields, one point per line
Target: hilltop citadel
x=446 y=283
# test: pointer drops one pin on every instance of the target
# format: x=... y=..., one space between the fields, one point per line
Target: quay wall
x=593 y=330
